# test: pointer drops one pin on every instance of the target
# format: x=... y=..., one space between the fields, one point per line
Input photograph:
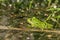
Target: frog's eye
x=33 y=17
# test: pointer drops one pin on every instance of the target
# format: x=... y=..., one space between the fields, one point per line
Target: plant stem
x=30 y=5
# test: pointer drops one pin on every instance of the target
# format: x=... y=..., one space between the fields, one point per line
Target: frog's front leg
x=32 y=25
x=42 y=29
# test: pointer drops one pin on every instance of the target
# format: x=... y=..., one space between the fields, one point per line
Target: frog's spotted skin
x=38 y=24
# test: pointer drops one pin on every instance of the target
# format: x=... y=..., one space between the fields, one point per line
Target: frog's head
x=30 y=20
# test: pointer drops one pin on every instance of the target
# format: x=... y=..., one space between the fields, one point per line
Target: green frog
x=38 y=23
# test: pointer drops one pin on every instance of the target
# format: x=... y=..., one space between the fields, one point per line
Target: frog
x=35 y=22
